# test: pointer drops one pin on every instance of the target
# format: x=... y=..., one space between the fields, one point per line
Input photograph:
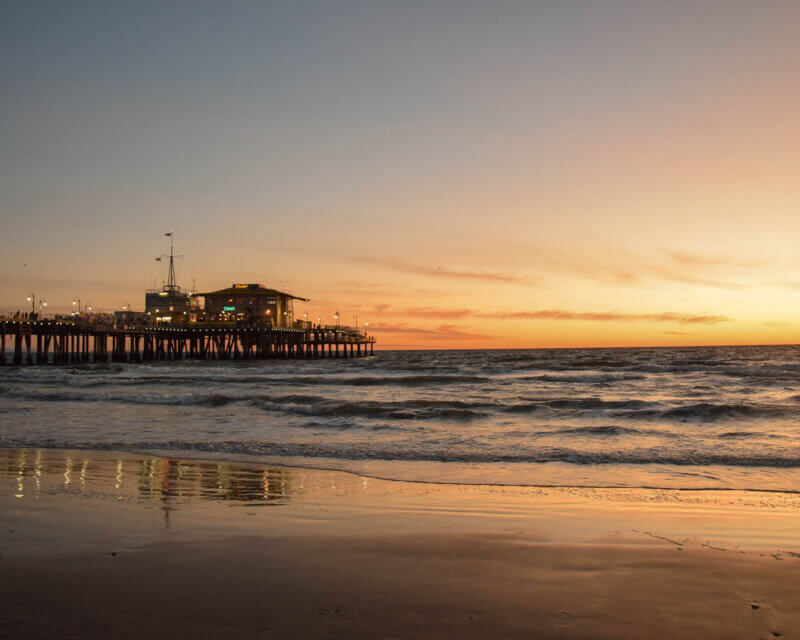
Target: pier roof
x=250 y=290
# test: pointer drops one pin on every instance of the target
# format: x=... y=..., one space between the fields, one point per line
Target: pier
x=54 y=342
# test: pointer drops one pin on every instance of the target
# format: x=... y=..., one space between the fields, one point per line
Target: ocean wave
x=400 y=410
x=745 y=435
x=583 y=379
x=209 y=399
x=764 y=372
x=558 y=431
x=575 y=404
x=307 y=405
x=599 y=365
x=416 y=408
x=282 y=380
x=608 y=430
x=341 y=425
x=707 y=411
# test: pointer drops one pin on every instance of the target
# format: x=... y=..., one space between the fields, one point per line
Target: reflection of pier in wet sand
x=153 y=478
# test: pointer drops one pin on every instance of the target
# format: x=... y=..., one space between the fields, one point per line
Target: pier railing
x=49 y=342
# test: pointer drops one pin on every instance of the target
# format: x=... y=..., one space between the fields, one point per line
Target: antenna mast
x=171 y=286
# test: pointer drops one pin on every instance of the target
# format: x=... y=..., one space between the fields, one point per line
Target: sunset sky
x=458 y=174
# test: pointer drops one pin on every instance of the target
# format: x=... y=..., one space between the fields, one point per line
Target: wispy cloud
x=670 y=275
x=620 y=266
x=707 y=260
x=550 y=314
x=645 y=273
x=787 y=284
x=421 y=312
x=444 y=331
x=360 y=288
x=609 y=316
x=445 y=272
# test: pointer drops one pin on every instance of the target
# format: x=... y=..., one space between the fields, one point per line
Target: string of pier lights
x=76 y=302
x=336 y=317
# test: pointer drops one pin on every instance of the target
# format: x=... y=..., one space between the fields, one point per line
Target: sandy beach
x=103 y=544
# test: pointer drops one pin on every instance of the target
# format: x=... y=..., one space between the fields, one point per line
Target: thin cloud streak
x=444 y=331
x=551 y=314
x=704 y=260
x=648 y=273
x=638 y=270
x=444 y=272
x=609 y=316
x=360 y=288
x=673 y=276
x=422 y=312
x=620 y=266
x=788 y=285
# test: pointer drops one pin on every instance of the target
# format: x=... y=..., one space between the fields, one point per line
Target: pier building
x=165 y=305
x=169 y=304
x=250 y=302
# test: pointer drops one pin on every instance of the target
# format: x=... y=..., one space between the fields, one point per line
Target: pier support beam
x=73 y=343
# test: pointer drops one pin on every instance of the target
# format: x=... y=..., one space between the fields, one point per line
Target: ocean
x=690 y=418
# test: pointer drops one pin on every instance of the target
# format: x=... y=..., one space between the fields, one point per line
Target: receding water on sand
x=577 y=514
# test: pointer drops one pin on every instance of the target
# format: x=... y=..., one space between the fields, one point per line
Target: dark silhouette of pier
x=53 y=342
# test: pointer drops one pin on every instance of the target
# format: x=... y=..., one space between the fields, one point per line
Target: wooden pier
x=52 y=342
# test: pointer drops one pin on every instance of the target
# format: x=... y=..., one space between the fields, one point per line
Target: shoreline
x=366 y=468
x=105 y=544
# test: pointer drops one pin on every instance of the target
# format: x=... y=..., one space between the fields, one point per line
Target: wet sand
x=99 y=544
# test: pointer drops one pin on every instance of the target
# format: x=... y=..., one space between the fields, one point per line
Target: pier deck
x=53 y=342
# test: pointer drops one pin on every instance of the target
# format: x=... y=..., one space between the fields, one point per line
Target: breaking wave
x=349 y=381
x=366 y=451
